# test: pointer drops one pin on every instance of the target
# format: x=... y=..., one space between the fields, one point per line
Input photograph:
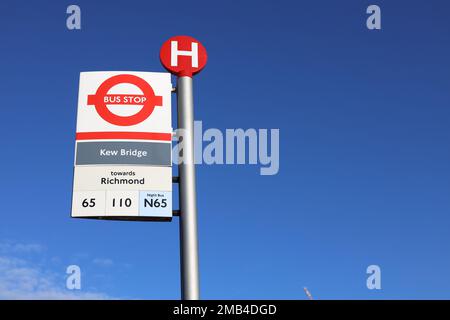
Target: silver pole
x=188 y=203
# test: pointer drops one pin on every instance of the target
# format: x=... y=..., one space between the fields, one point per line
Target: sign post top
x=183 y=56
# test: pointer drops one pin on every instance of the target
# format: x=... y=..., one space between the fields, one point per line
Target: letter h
x=174 y=53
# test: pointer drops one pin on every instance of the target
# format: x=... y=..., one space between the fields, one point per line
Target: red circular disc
x=183 y=56
x=144 y=113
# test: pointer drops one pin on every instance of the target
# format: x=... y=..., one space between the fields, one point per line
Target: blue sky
x=364 y=125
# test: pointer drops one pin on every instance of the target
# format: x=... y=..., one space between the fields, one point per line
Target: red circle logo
x=183 y=56
x=101 y=99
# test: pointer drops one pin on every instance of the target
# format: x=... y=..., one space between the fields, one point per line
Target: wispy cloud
x=14 y=247
x=103 y=262
x=23 y=278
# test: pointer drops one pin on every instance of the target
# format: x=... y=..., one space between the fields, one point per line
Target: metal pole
x=188 y=202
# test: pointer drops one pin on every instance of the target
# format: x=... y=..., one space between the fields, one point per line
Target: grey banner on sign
x=124 y=152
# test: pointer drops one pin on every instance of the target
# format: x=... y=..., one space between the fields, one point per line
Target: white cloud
x=20 y=278
x=14 y=247
x=103 y=262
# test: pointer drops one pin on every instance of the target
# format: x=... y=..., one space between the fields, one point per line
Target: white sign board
x=123 y=146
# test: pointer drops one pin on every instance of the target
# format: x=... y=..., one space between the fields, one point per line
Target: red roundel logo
x=101 y=99
x=183 y=56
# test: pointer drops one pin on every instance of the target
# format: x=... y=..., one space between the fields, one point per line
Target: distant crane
x=308 y=294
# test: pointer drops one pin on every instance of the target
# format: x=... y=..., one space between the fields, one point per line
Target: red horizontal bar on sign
x=124 y=135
